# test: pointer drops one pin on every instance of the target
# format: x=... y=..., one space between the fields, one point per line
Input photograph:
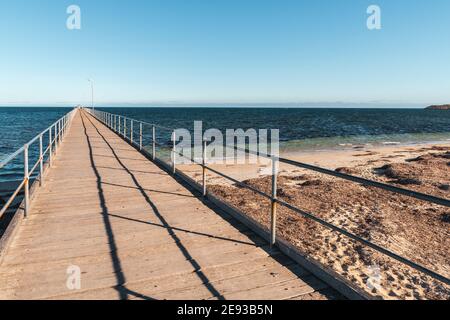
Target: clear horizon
x=231 y=52
x=227 y=105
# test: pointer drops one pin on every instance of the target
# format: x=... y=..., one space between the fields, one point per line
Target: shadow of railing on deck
x=170 y=230
x=123 y=291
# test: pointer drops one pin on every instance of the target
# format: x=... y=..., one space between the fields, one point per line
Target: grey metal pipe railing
x=56 y=133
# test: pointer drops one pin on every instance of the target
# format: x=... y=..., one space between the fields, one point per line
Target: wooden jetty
x=135 y=232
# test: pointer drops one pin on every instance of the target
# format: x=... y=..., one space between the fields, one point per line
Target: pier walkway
x=135 y=232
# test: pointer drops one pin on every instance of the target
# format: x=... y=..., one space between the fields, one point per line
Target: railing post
x=140 y=136
x=56 y=137
x=41 y=161
x=273 y=224
x=119 y=126
x=115 y=123
x=174 y=160
x=154 y=142
x=125 y=128
x=50 y=146
x=131 y=131
x=204 y=168
x=27 y=182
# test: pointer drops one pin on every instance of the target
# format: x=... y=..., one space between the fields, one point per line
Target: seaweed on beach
x=412 y=228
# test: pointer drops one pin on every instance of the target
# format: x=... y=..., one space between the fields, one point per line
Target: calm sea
x=300 y=129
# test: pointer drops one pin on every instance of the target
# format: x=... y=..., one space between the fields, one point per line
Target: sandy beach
x=414 y=229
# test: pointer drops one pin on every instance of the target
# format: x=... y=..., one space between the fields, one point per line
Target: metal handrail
x=101 y=115
x=56 y=133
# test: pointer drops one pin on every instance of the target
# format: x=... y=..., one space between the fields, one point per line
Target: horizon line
x=274 y=104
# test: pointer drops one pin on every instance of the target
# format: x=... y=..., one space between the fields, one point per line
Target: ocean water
x=300 y=129
x=309 y=129
x=18 y=126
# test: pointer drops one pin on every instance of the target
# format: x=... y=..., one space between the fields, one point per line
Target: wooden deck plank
x=136 y=233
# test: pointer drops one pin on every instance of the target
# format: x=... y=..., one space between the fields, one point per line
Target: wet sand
x=411 y=228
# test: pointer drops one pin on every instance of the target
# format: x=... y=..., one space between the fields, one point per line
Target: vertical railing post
x=27 y=182
x=174 y=159
x=273 y=216
x=204 y=168
x=140 y=136
x=56 y=136
x=125 y=127
x=154 y=142
x=131 y=131
x=115 y=123
x=120 y=127
x=50 y=146
x=41 y=161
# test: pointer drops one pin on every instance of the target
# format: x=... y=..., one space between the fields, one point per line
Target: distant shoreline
x=439 y=107
x=412 y=106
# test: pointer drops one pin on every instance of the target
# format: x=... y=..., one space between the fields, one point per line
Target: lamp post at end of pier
x=92 y=93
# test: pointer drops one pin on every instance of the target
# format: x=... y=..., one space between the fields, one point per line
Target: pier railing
x=54 y=135
x=130 y=129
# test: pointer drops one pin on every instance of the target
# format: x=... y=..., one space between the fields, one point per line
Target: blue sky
x=307 y=51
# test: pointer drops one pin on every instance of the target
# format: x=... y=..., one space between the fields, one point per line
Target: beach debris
x=346 y=170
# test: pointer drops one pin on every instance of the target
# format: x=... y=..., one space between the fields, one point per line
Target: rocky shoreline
x=439 y=107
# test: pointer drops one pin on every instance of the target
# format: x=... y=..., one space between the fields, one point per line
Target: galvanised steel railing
x=56 y=133
x=111 y=120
